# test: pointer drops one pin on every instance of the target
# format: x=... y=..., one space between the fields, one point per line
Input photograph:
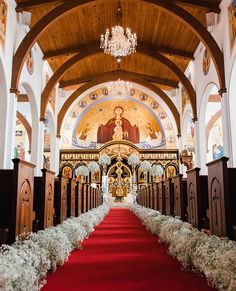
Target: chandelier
x=119 y=87
x=119 y=43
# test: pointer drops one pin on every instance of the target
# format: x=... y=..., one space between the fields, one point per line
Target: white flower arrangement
x=82 y=171
x=145 y=166
x=133 y=160
x=24 y=265
x=93 y=167
x=210 y=255
x=156 y=170
x=104 y=160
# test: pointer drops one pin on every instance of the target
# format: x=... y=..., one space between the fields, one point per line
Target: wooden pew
x=84 y=197
x=44 y=199
x=150 y=189
x=16 y=200
x=88 y=201
x=197 y=199
x=222 y=197
x=169 y=196
x=71 y=197
x=78 y=200
x=180 y=197
x=161 y=197
x=60 y=199
x=155 y=197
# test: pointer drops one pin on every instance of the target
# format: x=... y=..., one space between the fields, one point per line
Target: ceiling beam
x=62 y=10
x=33 y=4
x=121 y=74
x=77 y=49
x=207 y=5
x=143 y=49
x=106 y=78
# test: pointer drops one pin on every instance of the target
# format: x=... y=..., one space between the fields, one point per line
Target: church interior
x=117 y=153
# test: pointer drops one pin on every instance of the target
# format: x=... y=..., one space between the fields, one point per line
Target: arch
x=107 y=78
x=185 y=123
x=94 y=49
x=60 y=11
x=3 y=113
x=51 y=121
x=35 y=124
x=27 y=127
x=202 y=123
x=210 y=123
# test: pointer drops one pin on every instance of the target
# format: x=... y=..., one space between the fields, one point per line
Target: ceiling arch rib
x=208 y=5
x=51 y=17
x=148 y=78
x=107 y=77
x=95 y=49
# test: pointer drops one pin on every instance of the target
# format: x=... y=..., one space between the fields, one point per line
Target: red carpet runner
x=121 y=255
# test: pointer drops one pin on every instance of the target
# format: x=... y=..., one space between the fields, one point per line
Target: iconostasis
x=98 y=118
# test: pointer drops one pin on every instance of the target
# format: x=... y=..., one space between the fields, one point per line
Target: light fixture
x=119 y=87
x=119 y=43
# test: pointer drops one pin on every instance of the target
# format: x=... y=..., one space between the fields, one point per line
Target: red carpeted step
x=121 y=255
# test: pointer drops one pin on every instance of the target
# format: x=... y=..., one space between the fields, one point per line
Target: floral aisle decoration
x=133 y=160
x=210 y=255
x=24 y=264
x=82 y=171
x=104 y=161
x=145 y=166
x=93 y=167
x=157 y=171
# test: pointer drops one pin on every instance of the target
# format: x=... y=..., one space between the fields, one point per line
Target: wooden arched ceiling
x=173 y=27
x=111 y=77
x=66 y=27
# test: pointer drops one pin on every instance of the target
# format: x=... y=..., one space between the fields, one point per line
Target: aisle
x=121 y=255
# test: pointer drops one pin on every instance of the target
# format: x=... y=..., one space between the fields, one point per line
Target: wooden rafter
x=119 y=73
x=93 y=50
x=202 y=4
x=76 y=49
x=54 y=15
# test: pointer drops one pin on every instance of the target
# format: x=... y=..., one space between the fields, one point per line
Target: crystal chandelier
x=119 y=43
x=119 y=87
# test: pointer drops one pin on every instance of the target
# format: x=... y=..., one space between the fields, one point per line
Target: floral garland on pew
x=205 y=254
x=24 y=264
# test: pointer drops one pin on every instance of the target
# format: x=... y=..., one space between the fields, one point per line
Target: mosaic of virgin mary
x=118 y=127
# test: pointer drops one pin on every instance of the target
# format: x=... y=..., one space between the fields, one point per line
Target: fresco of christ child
x=114 y=130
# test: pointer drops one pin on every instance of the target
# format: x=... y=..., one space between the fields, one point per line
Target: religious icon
x=3 y=19
x=168 y=126
x=170 y=171
x=116 y=127
x=232 y=22
x=74 y=114
x=143 y=97
x=82 y=104
x=162 y=115
x=93 y=96
x=30 y=62
x=105 y=91
x=206 y=61
x=171 y=139
x=154 y=105
x=67 y=172
x=83 y=133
